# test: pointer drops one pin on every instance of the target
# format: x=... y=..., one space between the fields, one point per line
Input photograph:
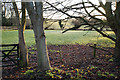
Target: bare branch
x=97 y=9
x=17 y=14
x=104 y=35
x=90 y=14
x=85 y=22
x=65 y=12
x=101 y=4
x=73 y=28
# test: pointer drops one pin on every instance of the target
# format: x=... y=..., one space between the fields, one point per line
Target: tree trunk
x=117 y=32
x=36 y=16
x=117 y=47
x=23 y=50
x=22 y=45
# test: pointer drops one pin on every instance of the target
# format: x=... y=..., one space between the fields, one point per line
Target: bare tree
x=86 y=11
x=21 y=27
x=36 y=17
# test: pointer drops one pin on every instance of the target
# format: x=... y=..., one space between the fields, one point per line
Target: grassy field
x=55 y=37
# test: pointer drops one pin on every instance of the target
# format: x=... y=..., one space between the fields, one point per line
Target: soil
x=69 y=57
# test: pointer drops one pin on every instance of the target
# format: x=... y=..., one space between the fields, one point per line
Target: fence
x=10 y=57
x=95 y=48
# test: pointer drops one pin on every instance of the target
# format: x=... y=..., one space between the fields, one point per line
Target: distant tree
x=5 y=21
x=85 y=11
x=76 y=22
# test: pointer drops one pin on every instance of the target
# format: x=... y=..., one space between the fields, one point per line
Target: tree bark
x=23 y=48
x=36 y=16
x=22 y=45
x=117 y=47
x=117 y=33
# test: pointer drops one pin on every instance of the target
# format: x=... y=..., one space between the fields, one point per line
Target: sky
x=66 y=3
x=72 y=2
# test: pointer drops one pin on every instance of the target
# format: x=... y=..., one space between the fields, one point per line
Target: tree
x=86 y=11
x=36 y=17
x=21 y=26
x=6 y=21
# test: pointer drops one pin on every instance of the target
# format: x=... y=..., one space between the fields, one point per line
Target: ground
x=73 y=61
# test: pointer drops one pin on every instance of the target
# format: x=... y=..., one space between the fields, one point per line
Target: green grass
x=55 y=37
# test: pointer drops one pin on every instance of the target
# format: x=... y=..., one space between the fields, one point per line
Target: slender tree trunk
x=36 y=16
x=22 y=45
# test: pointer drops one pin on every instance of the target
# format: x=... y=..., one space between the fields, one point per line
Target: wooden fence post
x=94 y=54
x=18 y=54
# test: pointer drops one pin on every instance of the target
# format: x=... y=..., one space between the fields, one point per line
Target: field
x=56 y=37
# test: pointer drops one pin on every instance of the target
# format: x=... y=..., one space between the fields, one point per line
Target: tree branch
x=97 y=9
x=85 y=21
x=17 y=14
x=90 y=14
x=101 y=4
x=73 y=28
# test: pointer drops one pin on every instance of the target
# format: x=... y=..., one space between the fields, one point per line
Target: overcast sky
x=66 y=3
